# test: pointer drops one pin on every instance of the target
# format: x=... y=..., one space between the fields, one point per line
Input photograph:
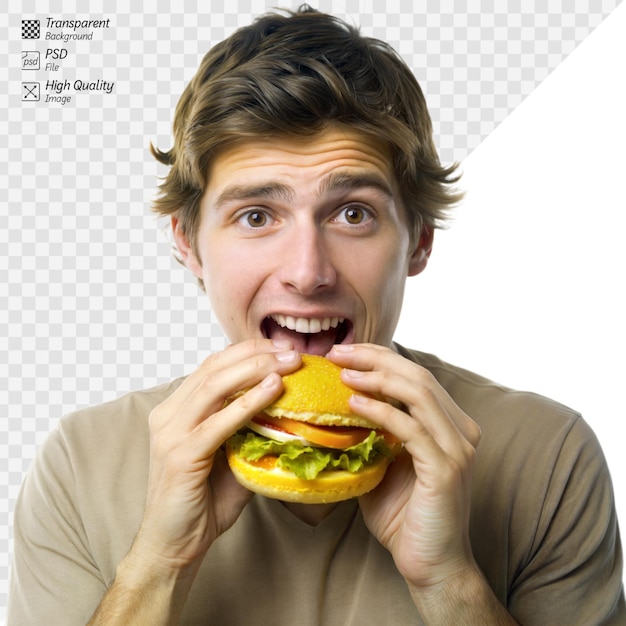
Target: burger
x=308 y=446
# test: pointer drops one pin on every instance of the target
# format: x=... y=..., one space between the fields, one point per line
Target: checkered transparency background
x=91 y=303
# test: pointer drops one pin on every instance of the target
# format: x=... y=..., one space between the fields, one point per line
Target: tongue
x=308 y=343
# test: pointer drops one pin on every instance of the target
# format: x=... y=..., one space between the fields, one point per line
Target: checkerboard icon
x=30 y=29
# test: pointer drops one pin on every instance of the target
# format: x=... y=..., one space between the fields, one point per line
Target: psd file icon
x=31 y=60
x=30 y=29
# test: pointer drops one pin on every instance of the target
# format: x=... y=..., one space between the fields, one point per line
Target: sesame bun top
x=316 y=394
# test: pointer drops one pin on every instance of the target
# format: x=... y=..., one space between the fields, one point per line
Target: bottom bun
x=329 y=486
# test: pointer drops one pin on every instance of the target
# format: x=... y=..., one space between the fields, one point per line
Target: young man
x=304 y=188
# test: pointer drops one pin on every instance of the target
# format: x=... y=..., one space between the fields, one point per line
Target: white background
x=527 y=286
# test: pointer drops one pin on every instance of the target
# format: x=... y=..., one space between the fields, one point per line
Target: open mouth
x=308 y=335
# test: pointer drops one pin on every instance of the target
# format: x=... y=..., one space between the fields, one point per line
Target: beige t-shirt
x=543 y=526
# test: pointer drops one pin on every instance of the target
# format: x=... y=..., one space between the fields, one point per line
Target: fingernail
x=358 y=399
x=270 y=380
x=343 y=347
x=353 y=373
x=287 y=357
x=282 y=344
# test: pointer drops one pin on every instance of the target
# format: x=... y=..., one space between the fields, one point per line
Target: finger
x=195 y=448
x=221 y=425
x=428 y=430
x=212 y=392
x=216 y=381
x=426 y=448
x=446 y=423
x=414 y=386
x=226 y=358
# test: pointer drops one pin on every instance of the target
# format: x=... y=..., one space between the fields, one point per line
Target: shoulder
x=495 y=406
x=101 y=443
x=543 y=521
x=95 y=463
x=83 y=497
x=524 y=436
x=118 y=418
x=526 y=440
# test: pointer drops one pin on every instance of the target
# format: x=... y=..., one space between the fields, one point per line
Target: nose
x=307 y=266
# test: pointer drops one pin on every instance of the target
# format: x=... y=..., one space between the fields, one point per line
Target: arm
x=421 y=511
x=192 y=497
x=62 y=571
x=141 y=595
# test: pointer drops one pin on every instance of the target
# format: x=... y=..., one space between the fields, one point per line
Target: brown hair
x=296 y=74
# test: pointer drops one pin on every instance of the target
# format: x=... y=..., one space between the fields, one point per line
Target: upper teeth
x=305 y=324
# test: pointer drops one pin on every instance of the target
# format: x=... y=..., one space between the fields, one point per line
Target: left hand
x=420 y=512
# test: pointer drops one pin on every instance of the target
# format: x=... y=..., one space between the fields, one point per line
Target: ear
x=185 y=251
x=421 y=254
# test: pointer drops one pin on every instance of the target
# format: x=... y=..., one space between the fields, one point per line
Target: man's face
x=305 y=239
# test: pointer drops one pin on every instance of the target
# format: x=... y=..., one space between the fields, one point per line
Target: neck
x=311 y=514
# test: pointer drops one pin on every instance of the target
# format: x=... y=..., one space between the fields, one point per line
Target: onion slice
x=278 y=435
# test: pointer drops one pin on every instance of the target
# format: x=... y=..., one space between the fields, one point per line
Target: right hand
x=192 y=496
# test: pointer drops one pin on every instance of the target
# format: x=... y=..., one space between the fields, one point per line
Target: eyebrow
x=335 y=182
x=344 y=181
x=268 y=191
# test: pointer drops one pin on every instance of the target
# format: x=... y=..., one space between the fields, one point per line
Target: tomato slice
x=339 y=437
x=391 y=440
x=266 y=462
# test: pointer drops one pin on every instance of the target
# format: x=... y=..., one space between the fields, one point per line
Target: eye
x=254 y=219
x=354 y=215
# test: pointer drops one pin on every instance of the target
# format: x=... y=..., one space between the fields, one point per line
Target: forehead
x=298 y=164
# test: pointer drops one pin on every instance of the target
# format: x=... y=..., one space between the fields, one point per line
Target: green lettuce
x=307 y=462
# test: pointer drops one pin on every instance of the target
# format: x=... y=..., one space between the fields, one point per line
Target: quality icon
x=30 y=92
